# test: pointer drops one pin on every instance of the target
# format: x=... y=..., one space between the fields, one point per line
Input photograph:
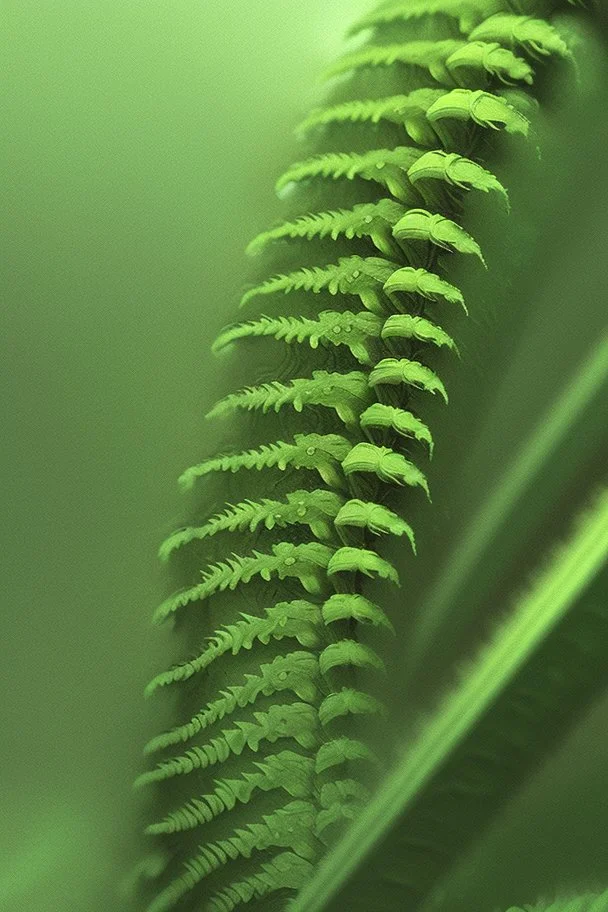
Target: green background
x=139 y=143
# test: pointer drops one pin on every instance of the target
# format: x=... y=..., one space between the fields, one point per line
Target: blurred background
x=139 y=146
x=140 y=142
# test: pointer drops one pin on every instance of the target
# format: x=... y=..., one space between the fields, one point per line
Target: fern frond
x=353 y=607
x=342 y=751
x=378 y=519
x=482 y=108
x=387 y=167
x=456 y=171
x=286 y=770
x=364 y=561
x=394 y=371
x=421 y=225
x=349 y=653
x=303 y=562
x=310 y=508
x=387 y=465
x=362 y=276
x=476 y=57
x=296 y=671
x=285 y=872
x=536 y=36
x=297 y=721
x=286 y=826
x=351 y=330
x=405 y=326
x=318 y=452
x=365 y=220
x=289 y=690
x=348 y=394
x=299 y=620
x=445 y=60
x=399 y=420
x=406 y=110
x=422 y=282
x=347 y=702
x=467 y=12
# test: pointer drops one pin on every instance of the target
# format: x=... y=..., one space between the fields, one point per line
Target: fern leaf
x=297 y=620
x=347 y=394
x=296 y=671
x=297 y=721
x=467 y=12
x=365 y=220
x=350 y=607
x=383 y=462
x=279 y=829
x=285 y=872
x=394 y=371
x=405 y=326
x=364 y=561
x=342 y=751
x=447 y=61
x=422 y=282
x=403 y=422
x=455 y=170
x=311 y=508
x=349 y=653
x=351 y=330
x=420 y=225
x=387 y=167
x=476 y=57
x=319 y=452
x=482 y=108
x=408 y=111
x=347 y=702
x=286 y=770
x=378 y=519
x=362 y=276
x=303 y=562
x=536 y=36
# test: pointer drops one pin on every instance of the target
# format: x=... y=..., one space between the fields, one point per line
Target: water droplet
x=337 y=329
x=368 y=219
x=289 y=561
x=357 y=272
x=310 y=451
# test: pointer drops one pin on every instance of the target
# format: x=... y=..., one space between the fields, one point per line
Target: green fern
x=387 y=167
x=351 y=330
x=347 y=394
x=467 y=12
x=410 y=111
x=319 y=452
x=448 y=61
x=268 y=771
x=365 y=220
x=312 y=508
